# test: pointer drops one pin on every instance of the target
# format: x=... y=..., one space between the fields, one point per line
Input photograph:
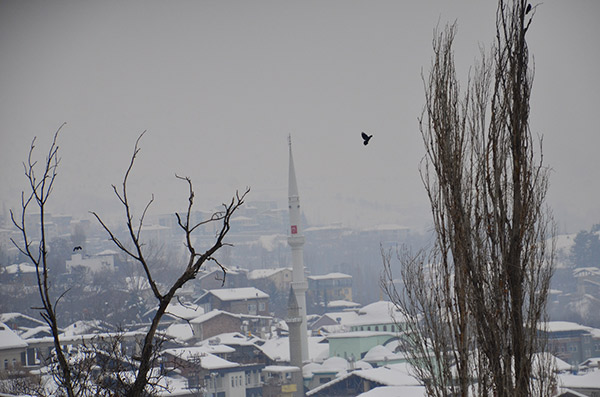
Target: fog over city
x=219 y=85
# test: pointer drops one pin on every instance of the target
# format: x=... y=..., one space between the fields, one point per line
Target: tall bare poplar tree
x=489 y=274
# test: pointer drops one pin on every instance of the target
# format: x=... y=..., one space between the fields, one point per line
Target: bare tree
x=196 y=258
x=37 y=252
x=74 y=375
x=486 y=186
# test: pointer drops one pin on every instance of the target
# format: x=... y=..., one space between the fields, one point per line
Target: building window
x=377 y=328
x=385 y=328
x=261 y=306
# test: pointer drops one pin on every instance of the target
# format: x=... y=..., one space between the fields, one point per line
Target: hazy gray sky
x=220 y=84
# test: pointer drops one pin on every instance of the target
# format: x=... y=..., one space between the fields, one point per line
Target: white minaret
x=296 y=242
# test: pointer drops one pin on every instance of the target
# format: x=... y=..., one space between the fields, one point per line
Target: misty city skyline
x=219 y=86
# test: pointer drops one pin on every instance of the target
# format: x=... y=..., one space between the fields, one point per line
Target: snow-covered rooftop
x=180 y=331
x=9 y=339
x=381 y=353
x=342 y=318
x=264 y=273
x=211 y=314
x=341 y=304
x=186 y=311
x=390 y=375
x=281 y=368
x=381 y=312
x=19 y=268
x=279 y=349
x=586 y=380
x=563 y=326
x=230 y=294
x=395 y=391
x=201 y=357
x=359 y=334
x=232 y=339
x=330 y=276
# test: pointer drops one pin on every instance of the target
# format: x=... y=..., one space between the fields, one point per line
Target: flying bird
x=77 y=248
x=366 y=138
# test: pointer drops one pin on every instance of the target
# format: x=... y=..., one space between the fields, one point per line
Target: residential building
x=94 y=264
x=378 y=316
x=13 y=349
x=571 y=342
x=214 y=375
x=329 y=287
x=248 y=300
x=214 y=323
x=280 y=277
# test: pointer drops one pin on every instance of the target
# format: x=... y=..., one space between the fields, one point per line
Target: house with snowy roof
x=212 y=278
x=354 y=345
x=584 y=384
x=325 y=288
x=93 y=264
x=207 y=371
x=363 y=380
x=21 y=323
x=22 y=273
x=334 y=322
x=215 y=322
x=280 y=277
x=588 y=281
x=278 y=350
x=570 y=341
x=277 y=380
x=248 y=300
x=13 y=349
x=246 y=348
x=378 y=316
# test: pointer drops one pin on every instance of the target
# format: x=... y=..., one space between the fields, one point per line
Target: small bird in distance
x=366 y=138
x=78 y=248
x=528 y=9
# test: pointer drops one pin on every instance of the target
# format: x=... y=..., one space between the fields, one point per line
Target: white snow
x=279 y=349
x=395 y=391
x=9 y=339
x=211 y=314
x=20 y=268
x=342 y=304
x=180 y=332
x=229 y=294
x=201 y=357
x=563 y=326
x=264 y=273
x=330 y=276
x=270 y=242
x=587 y=380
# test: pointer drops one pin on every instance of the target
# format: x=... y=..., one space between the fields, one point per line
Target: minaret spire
x=296 y=242
x=292 y=184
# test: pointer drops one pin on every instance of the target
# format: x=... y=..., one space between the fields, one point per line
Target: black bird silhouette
x=528 y=9
x=366 y=138
x=77 y=248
